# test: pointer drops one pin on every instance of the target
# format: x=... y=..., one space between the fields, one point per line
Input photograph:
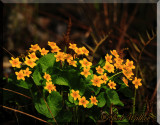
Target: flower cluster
x=22 y=73
x=49 y=85
x=30 y=62
x=82 y=100
x=102 y=74
x=114 y=63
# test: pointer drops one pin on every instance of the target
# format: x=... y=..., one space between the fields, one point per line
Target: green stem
x=77 y=114
x=62 y=95
x=134 y=101
x=134 y=98
x=75 y=120
x=74 y=112
x=114 y=75
x=31 y=93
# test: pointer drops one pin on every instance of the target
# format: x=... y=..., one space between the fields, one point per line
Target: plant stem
x=74 y=113
x=134 y=101
x=114 y=75
x=134 y=98
x=77 y=114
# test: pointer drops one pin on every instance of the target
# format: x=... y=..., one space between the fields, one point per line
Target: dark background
x=26 y=24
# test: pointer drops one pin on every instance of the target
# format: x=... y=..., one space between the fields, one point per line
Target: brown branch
x=106 y=14
x=125 y=26
x=115 y=13
x=15 y=110
x=136 y=42
x=16 y=93
x=155 y=92
x=64 y=20
x=89 y=47
x=8 y=52
x=97 y=46
x=111 y=113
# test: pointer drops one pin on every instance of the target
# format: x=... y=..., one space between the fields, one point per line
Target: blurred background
x=130 y=29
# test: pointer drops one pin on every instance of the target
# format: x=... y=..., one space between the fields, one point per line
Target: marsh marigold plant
x=69 y=83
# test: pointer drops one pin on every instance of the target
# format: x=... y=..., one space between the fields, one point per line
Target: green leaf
x=44 y=82
x=74 y=79
x=113 y=98
x=101 y=99
x=47 y=61
x=70 y=98
x=102 y=62
x=94 y=89
x=62 y=117
x=125 y=91
x=24 y=84
x=89 y=105
x=21 y=83
x=4 y=78
x=61 y=81
x=54 y=101
x=36 y=75
x=69 y=104
x=88 y=79
x=91 y=117
x=122 y=120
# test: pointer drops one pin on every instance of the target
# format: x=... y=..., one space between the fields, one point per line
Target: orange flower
x=78 y=51
x=68 y=57
x=44 y=51
x=47 y=76
x=27 y=72
x=112 y=84
x=75 y=94
x=118 y=60
x=85 y=72
x=108 y=58
x=50 y=87
x=137 y=82
x=52 y=44
x=73 y=63
x=29 y=62
x=96 y=81
x=15 y=62
x=99 y=70
x=109 y=67
x=118 y=65
x=55 y=49
x=125 y=81
x=20 y=75
x=93 y=100
x=60 y=56
x=85 y=51
x=104 y=78
x=85 y=63
x=72 y=46
x=83 y=101
x=33 y=56
x=114 y=52
x=34 y=47
x=129 y=64
x=127 y=72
